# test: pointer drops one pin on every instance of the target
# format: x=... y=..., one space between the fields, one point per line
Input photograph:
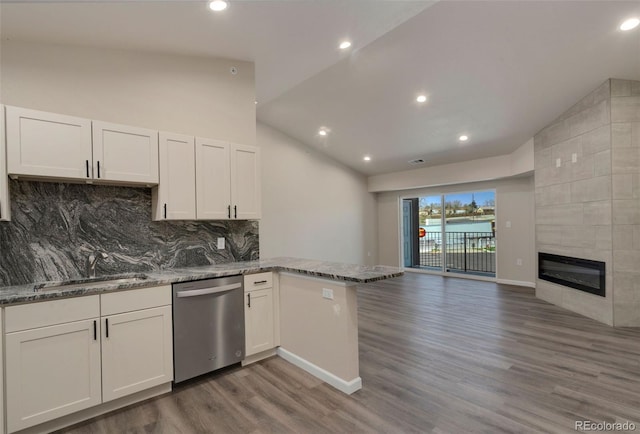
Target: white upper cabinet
x=47 y=144
x=227 y=180
x=5 y=209
x=245 y=182
x=124 y=154
x=175 y=196
x=213 y=180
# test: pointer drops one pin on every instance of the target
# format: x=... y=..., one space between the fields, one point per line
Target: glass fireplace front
x=583 y=274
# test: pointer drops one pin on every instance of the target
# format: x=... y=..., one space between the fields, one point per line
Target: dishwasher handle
x=205 y=291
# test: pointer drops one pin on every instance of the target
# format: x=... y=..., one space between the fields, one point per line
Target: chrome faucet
x=92 y=260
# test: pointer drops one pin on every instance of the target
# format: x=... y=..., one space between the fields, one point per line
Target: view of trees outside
x=468 y=232
x=460 y=206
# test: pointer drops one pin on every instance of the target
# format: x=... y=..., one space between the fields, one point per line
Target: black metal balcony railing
x=465 y=251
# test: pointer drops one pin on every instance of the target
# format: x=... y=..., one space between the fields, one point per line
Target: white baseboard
x=516 y=283
x=344 y=386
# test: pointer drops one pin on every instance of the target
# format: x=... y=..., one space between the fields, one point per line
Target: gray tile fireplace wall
x=55 y=226
x=587 y=190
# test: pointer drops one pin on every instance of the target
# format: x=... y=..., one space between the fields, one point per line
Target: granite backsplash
x=55 y=226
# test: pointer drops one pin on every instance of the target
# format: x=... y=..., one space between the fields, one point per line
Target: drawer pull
x=259 y=282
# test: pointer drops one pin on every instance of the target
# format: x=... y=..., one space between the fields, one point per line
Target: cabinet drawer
x=135 y=299
x=48 y=313
x=258 y=281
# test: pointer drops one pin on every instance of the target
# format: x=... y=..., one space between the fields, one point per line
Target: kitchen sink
x=121 y=279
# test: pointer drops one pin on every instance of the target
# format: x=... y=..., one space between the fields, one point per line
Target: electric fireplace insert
x=583 y=274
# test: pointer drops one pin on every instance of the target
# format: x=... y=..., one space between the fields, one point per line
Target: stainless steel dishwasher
x=208 y=326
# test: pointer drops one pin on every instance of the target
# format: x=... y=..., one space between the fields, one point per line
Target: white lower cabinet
x=136 y=351
x=259 y=317
x=51 y=371
x=67 y=355
x=259 y=321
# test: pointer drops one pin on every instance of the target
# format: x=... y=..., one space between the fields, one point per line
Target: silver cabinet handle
x=196 y=292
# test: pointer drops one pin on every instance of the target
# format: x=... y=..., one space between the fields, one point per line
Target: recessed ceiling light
x=367 y=158
x=629 y=24
x=322 y=132
x=256 y=102
x=344 y=45
x=218 y=5
x=463 y=138
x=421 y=98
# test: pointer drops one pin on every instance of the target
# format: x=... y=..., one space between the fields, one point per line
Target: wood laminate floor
x=439 y=355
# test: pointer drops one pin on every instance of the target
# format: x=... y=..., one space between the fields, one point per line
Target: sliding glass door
x=430 y=232
x=456 y=233
x=469 y=232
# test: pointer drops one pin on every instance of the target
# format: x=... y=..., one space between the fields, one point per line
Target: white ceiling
x=289 y=41
x=497 y=71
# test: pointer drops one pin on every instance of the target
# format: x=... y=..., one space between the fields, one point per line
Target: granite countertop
x=330 y=270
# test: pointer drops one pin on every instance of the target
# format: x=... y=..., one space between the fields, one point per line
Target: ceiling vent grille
x=417 y=161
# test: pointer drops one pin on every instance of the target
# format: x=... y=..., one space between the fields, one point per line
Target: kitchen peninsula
x=314 y=317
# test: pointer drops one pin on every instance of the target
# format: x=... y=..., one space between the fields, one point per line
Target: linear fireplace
x=582 y=274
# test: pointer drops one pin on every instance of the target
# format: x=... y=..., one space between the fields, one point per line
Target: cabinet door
x=245 y=182
x=212 y=180
x=137 y=351
x=125 y=154
x=51 y=372
x=175 y=197
x=47 y=144
x=259 y=325
x=4 y=181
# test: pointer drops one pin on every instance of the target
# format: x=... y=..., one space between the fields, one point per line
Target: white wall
x=182 y=94
x=312 y=206
x=514 y=203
